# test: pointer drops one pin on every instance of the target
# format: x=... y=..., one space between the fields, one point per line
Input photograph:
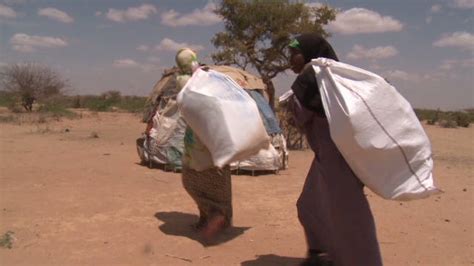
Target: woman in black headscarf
x=335 y=214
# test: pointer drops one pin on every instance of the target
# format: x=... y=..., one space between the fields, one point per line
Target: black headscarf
x=313 y=45
x=305 y=86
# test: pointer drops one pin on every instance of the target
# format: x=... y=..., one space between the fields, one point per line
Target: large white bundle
x=376 y=131
x=223 y=116
x=265 y=159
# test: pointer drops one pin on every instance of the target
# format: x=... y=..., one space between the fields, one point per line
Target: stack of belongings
x=168 y=132
x=165 y=146
x=274 y=158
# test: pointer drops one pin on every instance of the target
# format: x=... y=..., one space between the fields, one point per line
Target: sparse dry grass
x=65 y=187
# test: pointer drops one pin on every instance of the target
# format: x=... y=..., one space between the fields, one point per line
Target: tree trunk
x=28 y=102
x=270 y=91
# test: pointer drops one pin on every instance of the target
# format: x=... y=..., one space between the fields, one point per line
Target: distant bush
x=11 y=101
x=462 y=119
x=430 y=116
x=447 y=119
x=7 y=99
x=56 y=107
x=109 y=101
x=96 y=103
x=31 y=82
x=133 y=104
x=61 y=105
x=294 y=139
x=448 y=123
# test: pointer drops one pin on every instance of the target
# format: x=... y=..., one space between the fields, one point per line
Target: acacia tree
x=31 y=82
x=257 y=33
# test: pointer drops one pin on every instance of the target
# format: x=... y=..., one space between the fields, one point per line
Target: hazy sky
x=424 y=47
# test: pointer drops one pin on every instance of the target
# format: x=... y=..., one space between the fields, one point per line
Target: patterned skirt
x=211 y=189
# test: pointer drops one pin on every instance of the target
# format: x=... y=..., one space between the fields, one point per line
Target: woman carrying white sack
x=210 y=188
x=332 y=208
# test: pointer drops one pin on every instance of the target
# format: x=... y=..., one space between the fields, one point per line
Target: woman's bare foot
x=214 y=226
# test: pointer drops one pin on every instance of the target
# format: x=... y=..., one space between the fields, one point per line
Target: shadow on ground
x=180 y=224
x=272 y=260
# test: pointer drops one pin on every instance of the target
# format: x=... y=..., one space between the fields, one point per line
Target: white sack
x=376 y=130
x=224 y=117
x=265 y=159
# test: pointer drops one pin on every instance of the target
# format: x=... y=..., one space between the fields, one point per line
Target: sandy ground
x=72 y=199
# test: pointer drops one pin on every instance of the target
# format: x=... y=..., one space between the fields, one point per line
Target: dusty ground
x=72 y=199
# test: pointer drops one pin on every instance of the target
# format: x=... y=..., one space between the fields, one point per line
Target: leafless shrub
x=31 y=82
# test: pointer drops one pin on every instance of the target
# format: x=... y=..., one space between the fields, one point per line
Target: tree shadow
x=180 y=224
x=272 y=260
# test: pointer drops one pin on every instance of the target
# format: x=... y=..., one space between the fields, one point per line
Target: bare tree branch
x=31 y=82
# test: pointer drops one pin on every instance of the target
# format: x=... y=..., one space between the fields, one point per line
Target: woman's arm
x=301 y=115
x=306 y=90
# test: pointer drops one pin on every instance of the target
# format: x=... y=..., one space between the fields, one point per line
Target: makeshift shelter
x=168 y=133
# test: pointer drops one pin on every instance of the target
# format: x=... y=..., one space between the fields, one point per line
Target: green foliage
x=450 y=123
x=109 y=101
x=132 y=104
x=7 y=98
x=11 y=101
x=257 y=33
x=449 y=119
x=427 y=115
x=6 y=241
x=57 y=109
x=60 y=106
x=463 y=119
x=112 y=96
x=97 y=104
x=106 y=101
